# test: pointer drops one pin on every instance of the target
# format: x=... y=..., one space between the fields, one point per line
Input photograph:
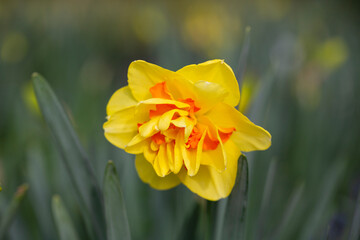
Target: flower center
x=167 y=122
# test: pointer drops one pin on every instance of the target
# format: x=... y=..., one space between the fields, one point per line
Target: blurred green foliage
x=301 y=83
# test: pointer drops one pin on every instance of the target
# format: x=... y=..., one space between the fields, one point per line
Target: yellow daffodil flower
x=183 y=126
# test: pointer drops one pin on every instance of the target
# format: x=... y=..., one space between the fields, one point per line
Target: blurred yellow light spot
x=273 y=10
x=332 y=53
x=210 y=29
x=248 y=90
x=149 y=24
x=14 y=47
x=30 y=98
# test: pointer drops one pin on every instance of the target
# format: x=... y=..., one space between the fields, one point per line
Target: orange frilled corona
x=183 y=126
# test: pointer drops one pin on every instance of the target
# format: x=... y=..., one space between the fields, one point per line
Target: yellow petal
x=149 y=154
x=143 y=107
x=121 y=99
x=192 y=157
x=165 y=119
x=216 y=71
x=208 y=182
x=137 y=144
x=170 y=154
x=186 y=123
x=147 y=174
x=149 y=128
x=248 y=136
x=154 y=101
x=161 y=164
x=121 y=127
x=178 y=159
x=208 y=94
x=214 y=158
x=143 y=75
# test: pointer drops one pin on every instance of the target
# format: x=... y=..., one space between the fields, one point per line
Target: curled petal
x=216 y=71
x=208 y=182
x=137 y=144
x=161 y=163
x=248 y=136
x=186 y=123
x=166 y=118
x=150 y=128
x=154 y=101
x=147 y=174
x=192 y=157
x=149 y=154
x=178 y=159
x=217 y=157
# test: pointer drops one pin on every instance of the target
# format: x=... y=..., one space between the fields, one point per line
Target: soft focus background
x=301 y=82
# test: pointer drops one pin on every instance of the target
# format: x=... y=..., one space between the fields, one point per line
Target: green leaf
x=10 y=212
x=266 y=199
x=74 y=157
x=244 y=55
x=231 y=211
x=329 y=184
x=188 y=228
x=117 y=226
x=355 y=226
x=63 y=222
x=287 y=223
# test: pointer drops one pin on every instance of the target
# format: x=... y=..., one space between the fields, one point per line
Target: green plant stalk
x=12 y=209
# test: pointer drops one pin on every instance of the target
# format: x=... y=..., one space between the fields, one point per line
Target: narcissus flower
x=183 y=126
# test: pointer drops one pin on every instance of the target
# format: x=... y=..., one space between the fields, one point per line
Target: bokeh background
x=301 y=82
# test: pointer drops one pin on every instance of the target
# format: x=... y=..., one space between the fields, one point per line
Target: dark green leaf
x=117 y=226
x=10 y=212
x=231 y=211
x=265 y=199
x=74 y=156
x=187 y=229
x=63 y=222
x=244 y=55
x=355 y=226
x=287 y=223
x=328 y=187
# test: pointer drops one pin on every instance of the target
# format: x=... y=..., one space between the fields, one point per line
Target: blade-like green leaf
x=244 y=55
x=265 y=199
x=9 y=215
x=328 y=187
x=355 y=226
x=231 y=211
x=117 y=226
x=187 y=229
x=63 y=222
x=287 y=223
x=75 y=159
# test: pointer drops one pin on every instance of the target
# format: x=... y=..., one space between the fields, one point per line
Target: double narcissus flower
x=183 y=126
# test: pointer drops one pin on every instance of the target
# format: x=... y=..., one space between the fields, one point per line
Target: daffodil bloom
x=183 y=126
